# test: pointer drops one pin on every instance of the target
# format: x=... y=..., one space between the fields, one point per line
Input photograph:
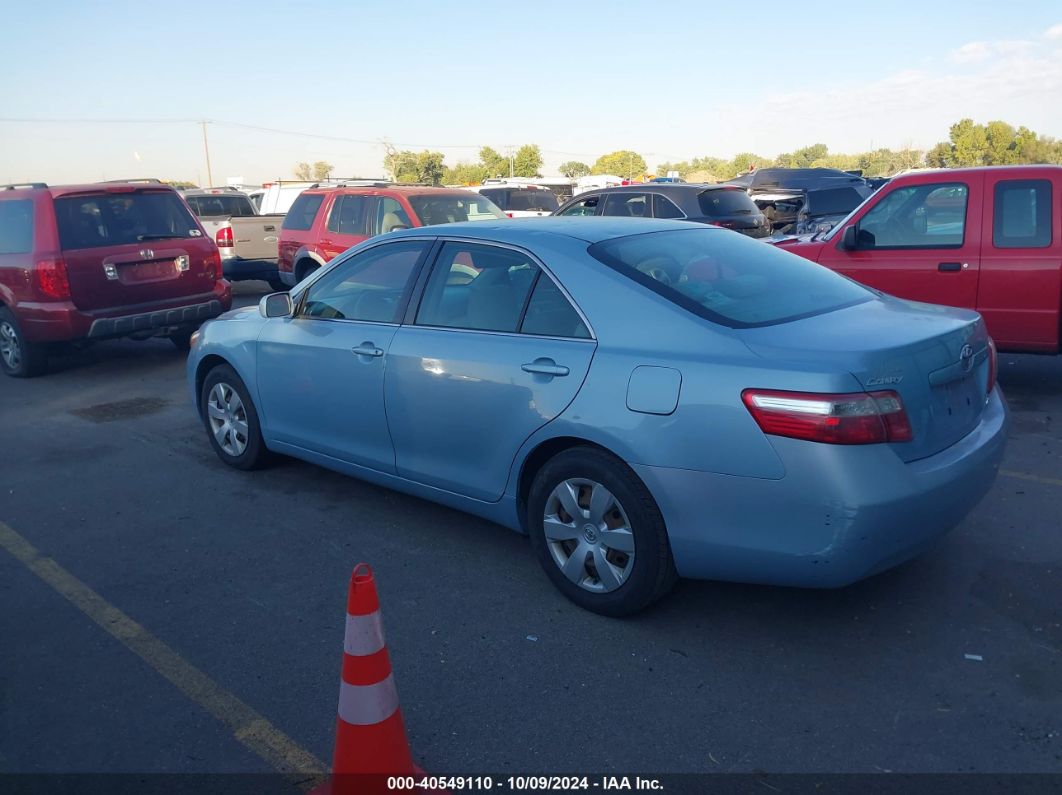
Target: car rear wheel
x=18 y=357
x=598 y=533
x=231 y=420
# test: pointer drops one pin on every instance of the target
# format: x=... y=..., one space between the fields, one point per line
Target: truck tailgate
x=256 y=237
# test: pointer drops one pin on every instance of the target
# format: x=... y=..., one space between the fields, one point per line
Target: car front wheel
x=598 y=533
x=231 y=420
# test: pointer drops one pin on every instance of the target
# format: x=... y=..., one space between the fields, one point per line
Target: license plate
x=146 y=271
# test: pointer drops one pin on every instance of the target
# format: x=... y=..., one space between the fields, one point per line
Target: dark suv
x=720 y=205
x=98 y=261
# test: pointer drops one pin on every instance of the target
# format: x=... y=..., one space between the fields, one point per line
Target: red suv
x=80 y=262
x=324 y=222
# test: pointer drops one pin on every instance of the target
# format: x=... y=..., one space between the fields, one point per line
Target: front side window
x=370 y=286
x=1022 y=216
x=477 y=287
x=303 y=211
x=348 y=215
x=448 y=209
x=16 y=226
x=631 y=205
x=587 y=206
x=390 y=216
x=729 y=279
x=919 y=216
x=114 y=219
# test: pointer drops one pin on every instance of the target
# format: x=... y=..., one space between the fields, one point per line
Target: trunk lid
x=936 y=358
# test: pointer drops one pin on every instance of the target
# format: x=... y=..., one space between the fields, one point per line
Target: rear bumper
x=237 y=269
x=125 y=325
x=839 y=515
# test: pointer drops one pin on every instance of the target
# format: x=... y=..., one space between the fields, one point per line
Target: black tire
x=277 y=286
x=182 y=340
x=653 y=571
x=255 y=454
x=23 y=359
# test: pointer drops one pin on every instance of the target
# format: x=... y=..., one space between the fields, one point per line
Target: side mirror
x=397 y=227
x=276 y=305
x=850 y=239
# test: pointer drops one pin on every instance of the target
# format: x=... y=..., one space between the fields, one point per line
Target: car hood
x=243 y=313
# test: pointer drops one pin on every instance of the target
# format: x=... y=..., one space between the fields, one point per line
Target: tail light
x=52 y=280
x=213 y=264
x=857 y=418
x=993 y=365
x=224 y=237
x=509 y=214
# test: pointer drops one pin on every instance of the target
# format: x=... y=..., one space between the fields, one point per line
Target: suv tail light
x=857 y=418
x=52 y=280
x=224 y=237
x=213 y=264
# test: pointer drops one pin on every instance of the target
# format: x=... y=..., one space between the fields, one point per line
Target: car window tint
x=1022 y=215
x=390 y=216
x=477 y=287
x=303 y=211
x=448 y=209
x=211 y=206
x=348 y=215
x=587 y=206
x=663 y=207
x=532 y=199
x=727 y=278
x=631 y=205
x=719 y=202
x=115 y=219
x=549 y=313
x=919 y=216
x=369 y=286
x=16 y=226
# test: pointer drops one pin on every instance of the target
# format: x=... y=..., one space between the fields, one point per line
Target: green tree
x=1001 y=146
x=969 y=143
x=497 y=165
x=527 y=161
x=940 y=156
x=179 y=183
x=622 y=163
x=423 y=167
x=745 y=161
x=466 y=174
x=573 y=169
x=321 y=170
x=302 y=171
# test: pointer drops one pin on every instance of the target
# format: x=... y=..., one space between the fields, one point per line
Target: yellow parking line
x=248 y=727
x=1010 y=473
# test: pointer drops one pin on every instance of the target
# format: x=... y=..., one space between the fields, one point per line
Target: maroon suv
x=90 y=262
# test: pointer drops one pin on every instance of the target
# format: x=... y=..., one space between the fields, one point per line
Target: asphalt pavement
x=951 y=663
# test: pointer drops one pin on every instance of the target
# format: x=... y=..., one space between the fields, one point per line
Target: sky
x=117 y=89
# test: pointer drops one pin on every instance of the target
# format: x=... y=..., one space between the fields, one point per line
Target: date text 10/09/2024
x=523 y=783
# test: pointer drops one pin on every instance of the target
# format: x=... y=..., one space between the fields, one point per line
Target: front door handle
x=952 y=266
x=545 y=367
x=367 y=349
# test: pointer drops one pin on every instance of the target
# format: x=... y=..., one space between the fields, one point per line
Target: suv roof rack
x=19 y=185
x=151 y=180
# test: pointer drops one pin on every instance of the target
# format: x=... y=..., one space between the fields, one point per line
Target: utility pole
x=206 y=149
x=512 y=162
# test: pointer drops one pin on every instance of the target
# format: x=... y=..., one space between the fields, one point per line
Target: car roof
x=661 y=187
x=375 y=190
x=57 y=191
x=525 y=231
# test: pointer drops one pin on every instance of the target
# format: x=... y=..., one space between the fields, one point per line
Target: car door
x=345 y=226
x=495 y=350
x=920 y=241
x=321 y=371
x=1021 y=263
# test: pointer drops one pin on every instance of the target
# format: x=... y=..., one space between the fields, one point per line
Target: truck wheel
x=305 y=269
x=19 y=358
x=277 y=286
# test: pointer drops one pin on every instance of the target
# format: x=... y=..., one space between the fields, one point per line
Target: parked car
x=325 y=222
x=780 y=193
x=821 y=209
x=988 y=239
x=644 y=399
x=247 y=241
x=719 y=205
x=520 y=201
x=89 y=262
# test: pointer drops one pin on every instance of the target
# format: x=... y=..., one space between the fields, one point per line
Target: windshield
x=114 y=219
x=209 y=206
x=452 y=208
x=729 y=278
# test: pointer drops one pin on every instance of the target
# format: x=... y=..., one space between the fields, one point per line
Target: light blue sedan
x=645 y=399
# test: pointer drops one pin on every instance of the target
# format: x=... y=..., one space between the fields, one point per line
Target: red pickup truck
x=987 y=238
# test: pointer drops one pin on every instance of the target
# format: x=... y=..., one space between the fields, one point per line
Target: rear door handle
x=367 y=349
x=545 y=367
x=952 y=266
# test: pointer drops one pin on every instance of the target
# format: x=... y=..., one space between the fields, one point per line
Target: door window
x=390 y=216
x=634 y=205
x=477 y=287
x=348 y=215
x=663 y=207
x=587 y=206
x=550 y=314
x=370 y=286
x=920 y=216
x=1022 y=216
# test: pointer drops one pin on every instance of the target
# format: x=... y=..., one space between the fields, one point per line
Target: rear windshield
x=532 y=199
x=835 y=201
x=725 y=201
x=303 y=211
x=115 y=219
x=727 y=277
x=448 y=209
x=210 y=206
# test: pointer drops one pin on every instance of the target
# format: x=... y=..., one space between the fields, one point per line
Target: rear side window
x=209 y=206
x=727 y=278
x=725 y=201
x=303 y=211
x=451 y=209
x=16 y=226
x=587 y=206
x=665 y=208
x=348 y=215
x=1022 y=217
x=115 y=219
x=633 y=205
